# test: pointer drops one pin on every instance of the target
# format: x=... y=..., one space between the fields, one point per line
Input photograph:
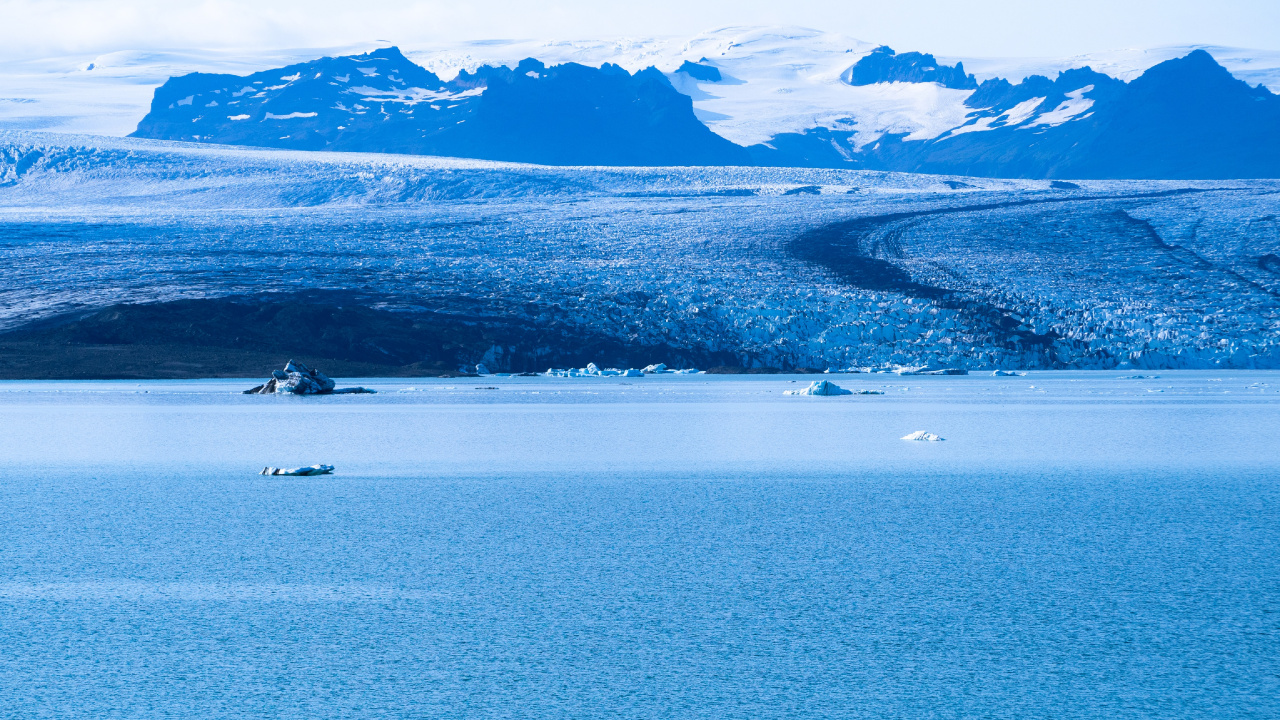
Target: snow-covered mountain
x=381 y=102
x=790 y=77
x=791 y=95
x=1183 y=118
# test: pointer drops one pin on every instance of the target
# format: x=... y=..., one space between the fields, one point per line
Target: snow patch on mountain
x=1075 y=105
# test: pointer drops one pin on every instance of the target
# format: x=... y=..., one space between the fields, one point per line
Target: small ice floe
x=868 y=392
x=298 y=379
x=927 y=370
x=1007 y=373
x=922 y=436
x=1138 y=377
x=821 y=387
x=302 y=471
x=654 y=369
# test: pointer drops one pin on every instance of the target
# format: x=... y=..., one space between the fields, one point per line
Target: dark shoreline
x=250 y=337
x=32 y=360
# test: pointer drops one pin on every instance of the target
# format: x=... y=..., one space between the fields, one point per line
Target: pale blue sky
x=41 y=28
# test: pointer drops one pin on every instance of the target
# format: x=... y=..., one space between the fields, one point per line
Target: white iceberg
x=923 y=436
x=593 y=370
x=1007 y=373
x=821 y=387
x=302 y=471
x=927 y=370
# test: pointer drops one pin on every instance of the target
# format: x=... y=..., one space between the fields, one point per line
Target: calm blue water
x=1088 y=547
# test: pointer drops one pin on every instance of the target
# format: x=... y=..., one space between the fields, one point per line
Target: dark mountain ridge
x=381 y=102
x=884 y=65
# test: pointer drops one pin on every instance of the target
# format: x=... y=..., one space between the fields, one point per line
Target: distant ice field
x=1081 y=545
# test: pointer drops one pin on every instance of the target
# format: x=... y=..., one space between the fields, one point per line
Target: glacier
x=521 y=267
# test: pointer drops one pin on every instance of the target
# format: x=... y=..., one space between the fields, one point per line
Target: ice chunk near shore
x=593 y=370
x=298 y=379
x=481 y=369
x=821 y=387
x=302 y=471
x=1007 y=373
x=926 y=370
x=923 y=436
x=654 y=369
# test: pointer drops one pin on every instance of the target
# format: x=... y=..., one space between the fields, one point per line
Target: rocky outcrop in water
x=298 y=379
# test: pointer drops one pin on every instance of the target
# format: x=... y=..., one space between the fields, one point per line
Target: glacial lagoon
x=1081 y=545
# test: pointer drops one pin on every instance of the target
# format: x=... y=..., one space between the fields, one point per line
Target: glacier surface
x=732 y=266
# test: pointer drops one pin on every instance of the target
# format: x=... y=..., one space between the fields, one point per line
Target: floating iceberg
x=926 y=370
x=1007 y=373
x=593 y=370
x=923 y=436
x=302 y=471
x=481 y=369
x=821 y=387
x=298 y=379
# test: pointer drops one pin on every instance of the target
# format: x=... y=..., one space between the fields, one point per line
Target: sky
x=974 y=28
